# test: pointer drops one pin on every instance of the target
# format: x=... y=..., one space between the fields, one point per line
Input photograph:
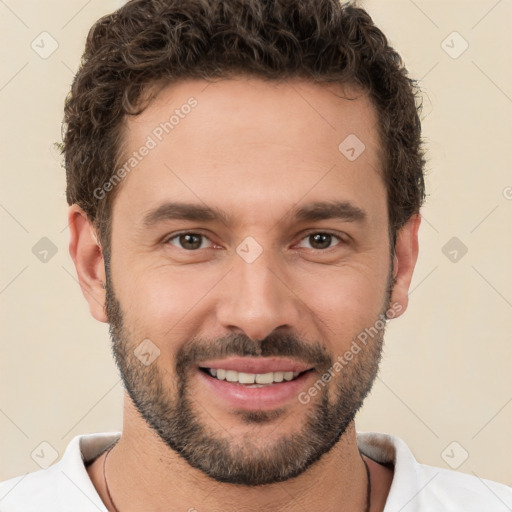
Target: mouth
x=254 y=383
x=253 y=380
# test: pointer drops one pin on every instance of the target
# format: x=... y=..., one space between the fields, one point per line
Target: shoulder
x=62 y=487
x=456 y=491
x=419 y=487
x=32 y=491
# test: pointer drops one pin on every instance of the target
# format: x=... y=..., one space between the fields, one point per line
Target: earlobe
x=406 y=255
x=87 y=255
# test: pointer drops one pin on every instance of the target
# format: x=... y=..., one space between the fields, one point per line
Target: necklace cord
x=105 y=478
x=368 y=487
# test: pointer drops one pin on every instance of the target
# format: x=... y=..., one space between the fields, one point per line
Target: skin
x=253 y=149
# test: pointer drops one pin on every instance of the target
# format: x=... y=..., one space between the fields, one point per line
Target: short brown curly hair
x=148 y=42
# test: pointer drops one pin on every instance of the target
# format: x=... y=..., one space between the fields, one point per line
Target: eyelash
x=307 y=235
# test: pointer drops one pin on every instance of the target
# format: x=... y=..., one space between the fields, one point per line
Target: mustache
x=275 y=345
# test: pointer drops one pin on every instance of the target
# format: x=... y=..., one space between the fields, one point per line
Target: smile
x=254 y=383
x=252 y=379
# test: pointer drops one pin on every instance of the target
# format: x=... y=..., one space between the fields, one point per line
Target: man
x=244 y=180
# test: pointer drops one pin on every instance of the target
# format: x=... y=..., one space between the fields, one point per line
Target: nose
x=257 y=300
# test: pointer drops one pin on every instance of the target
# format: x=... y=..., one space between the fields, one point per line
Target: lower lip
x=265 y=398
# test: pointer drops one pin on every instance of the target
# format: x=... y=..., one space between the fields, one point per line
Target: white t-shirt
x=65 y=486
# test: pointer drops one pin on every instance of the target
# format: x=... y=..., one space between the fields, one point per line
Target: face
x=248 y=254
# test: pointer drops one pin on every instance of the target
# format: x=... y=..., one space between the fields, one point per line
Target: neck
x=144 y=474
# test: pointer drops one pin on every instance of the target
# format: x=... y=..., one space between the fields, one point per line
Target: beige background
x=446 y=373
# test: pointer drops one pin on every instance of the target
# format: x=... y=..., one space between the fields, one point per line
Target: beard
x=164 y=401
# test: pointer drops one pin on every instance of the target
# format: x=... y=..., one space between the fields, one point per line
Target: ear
x=406 y=254
x=85 y=250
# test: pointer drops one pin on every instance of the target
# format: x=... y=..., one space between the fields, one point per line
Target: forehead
x=259 y=108
x=246 y=141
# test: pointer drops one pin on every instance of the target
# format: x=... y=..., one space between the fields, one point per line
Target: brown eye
x=188 y=241
x=320 y=241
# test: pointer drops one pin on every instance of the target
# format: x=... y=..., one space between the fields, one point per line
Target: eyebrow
x=342 y=210
x=184 y=211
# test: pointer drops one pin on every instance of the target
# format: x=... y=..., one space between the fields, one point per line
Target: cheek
x=345 y=301
x=162 y=302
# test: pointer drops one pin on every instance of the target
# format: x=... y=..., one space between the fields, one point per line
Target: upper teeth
x=251 y=378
